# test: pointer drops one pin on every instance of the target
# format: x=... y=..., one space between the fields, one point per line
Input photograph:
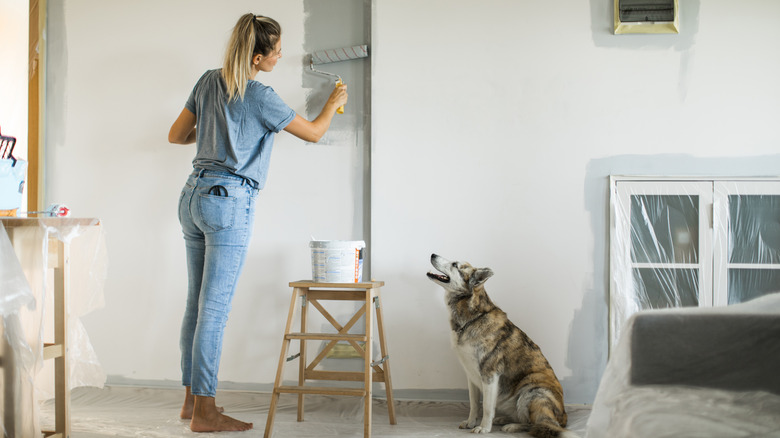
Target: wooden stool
x=312 y=293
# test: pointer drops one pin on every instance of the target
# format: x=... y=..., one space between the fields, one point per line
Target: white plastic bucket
x=337 y=261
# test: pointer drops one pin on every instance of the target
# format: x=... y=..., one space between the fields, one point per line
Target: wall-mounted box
x=646 y=16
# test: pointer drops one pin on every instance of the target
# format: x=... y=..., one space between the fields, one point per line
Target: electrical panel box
x=646 y=16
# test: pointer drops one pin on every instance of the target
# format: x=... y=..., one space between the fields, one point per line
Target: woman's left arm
x=183 y=129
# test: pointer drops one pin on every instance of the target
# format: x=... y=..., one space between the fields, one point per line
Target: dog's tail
x=550 y=429
x=546 y=429
x=544 y=421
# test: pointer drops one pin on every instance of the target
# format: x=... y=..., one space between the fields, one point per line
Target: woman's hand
x=314 y=130
x=338 y=97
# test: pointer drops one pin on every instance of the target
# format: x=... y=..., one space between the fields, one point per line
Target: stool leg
x=367 y=369
x=383 y=347
x=269 y=424
x=61 y=364
x=302 y=358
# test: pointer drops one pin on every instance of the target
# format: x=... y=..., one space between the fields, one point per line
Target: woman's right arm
x=313 y=131
x=183 y=129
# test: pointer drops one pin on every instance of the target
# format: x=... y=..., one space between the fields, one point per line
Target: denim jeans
x=216 y=212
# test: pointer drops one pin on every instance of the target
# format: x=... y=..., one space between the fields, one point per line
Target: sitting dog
x=500 y=360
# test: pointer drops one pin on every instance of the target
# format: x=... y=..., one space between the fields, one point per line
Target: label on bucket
x=337 y=261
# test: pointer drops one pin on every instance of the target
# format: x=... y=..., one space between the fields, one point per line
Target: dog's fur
x=519 y=388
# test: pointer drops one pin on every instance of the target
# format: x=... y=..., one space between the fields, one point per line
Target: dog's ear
x=480 y=276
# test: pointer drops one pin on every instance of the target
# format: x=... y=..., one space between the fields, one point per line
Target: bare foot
x=189 y=403
x=207 y=418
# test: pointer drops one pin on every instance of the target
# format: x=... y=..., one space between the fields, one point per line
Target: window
x=691 y=242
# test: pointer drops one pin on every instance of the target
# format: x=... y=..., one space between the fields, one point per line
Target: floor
x=153 y=412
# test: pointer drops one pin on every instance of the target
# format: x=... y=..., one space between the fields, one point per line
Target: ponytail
x=252 y=35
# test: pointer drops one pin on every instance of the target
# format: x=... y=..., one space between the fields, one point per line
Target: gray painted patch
x=329 y=25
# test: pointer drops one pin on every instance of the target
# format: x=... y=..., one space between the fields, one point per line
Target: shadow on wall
x=602 y=26
x=590 y=322
x=587 y=351
x=57 y=60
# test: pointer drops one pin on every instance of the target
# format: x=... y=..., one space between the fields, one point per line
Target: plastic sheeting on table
x=693 y=372
x=24 y=298
x=17 y=407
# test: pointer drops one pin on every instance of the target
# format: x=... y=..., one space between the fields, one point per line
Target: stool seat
x=357 y=286
x=310 y=292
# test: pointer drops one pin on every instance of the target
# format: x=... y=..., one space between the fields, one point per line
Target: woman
x=236 y=119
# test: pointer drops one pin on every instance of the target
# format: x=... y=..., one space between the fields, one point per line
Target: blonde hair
x=252 y=35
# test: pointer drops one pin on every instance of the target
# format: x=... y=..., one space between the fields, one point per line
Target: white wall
x=14 y=29
x=494 y=126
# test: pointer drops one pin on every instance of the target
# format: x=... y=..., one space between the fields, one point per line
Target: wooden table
x=59 y=260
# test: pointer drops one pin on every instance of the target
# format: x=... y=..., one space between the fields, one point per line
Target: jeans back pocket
x=217 y=212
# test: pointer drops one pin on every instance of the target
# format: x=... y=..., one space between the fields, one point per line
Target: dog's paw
x=467 y=424
x=515 y=428
x=499 y=421
x=480 y=429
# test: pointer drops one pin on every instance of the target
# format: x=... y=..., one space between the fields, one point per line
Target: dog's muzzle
x=439 y=277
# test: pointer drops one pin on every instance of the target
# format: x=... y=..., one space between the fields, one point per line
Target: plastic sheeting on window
x=25 y=301
x=691 y=243
x=753 y=246
x=693 y=372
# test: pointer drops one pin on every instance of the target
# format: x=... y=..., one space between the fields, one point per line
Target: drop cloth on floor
x=153 y=412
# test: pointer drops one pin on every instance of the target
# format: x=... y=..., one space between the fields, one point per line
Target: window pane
x=746 y=284
x=754 y=229
x=664 y=229
x=662 y=288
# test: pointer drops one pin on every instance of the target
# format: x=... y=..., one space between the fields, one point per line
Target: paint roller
x=336 y=55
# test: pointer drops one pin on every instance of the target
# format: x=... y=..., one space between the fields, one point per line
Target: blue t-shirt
x=236 y=136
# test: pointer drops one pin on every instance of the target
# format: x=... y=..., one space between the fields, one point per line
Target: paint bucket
x=337 y=261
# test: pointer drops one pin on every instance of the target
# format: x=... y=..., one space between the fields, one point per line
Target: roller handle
x=339 y=110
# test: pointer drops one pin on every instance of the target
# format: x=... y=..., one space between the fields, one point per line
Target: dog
x=519 y=388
